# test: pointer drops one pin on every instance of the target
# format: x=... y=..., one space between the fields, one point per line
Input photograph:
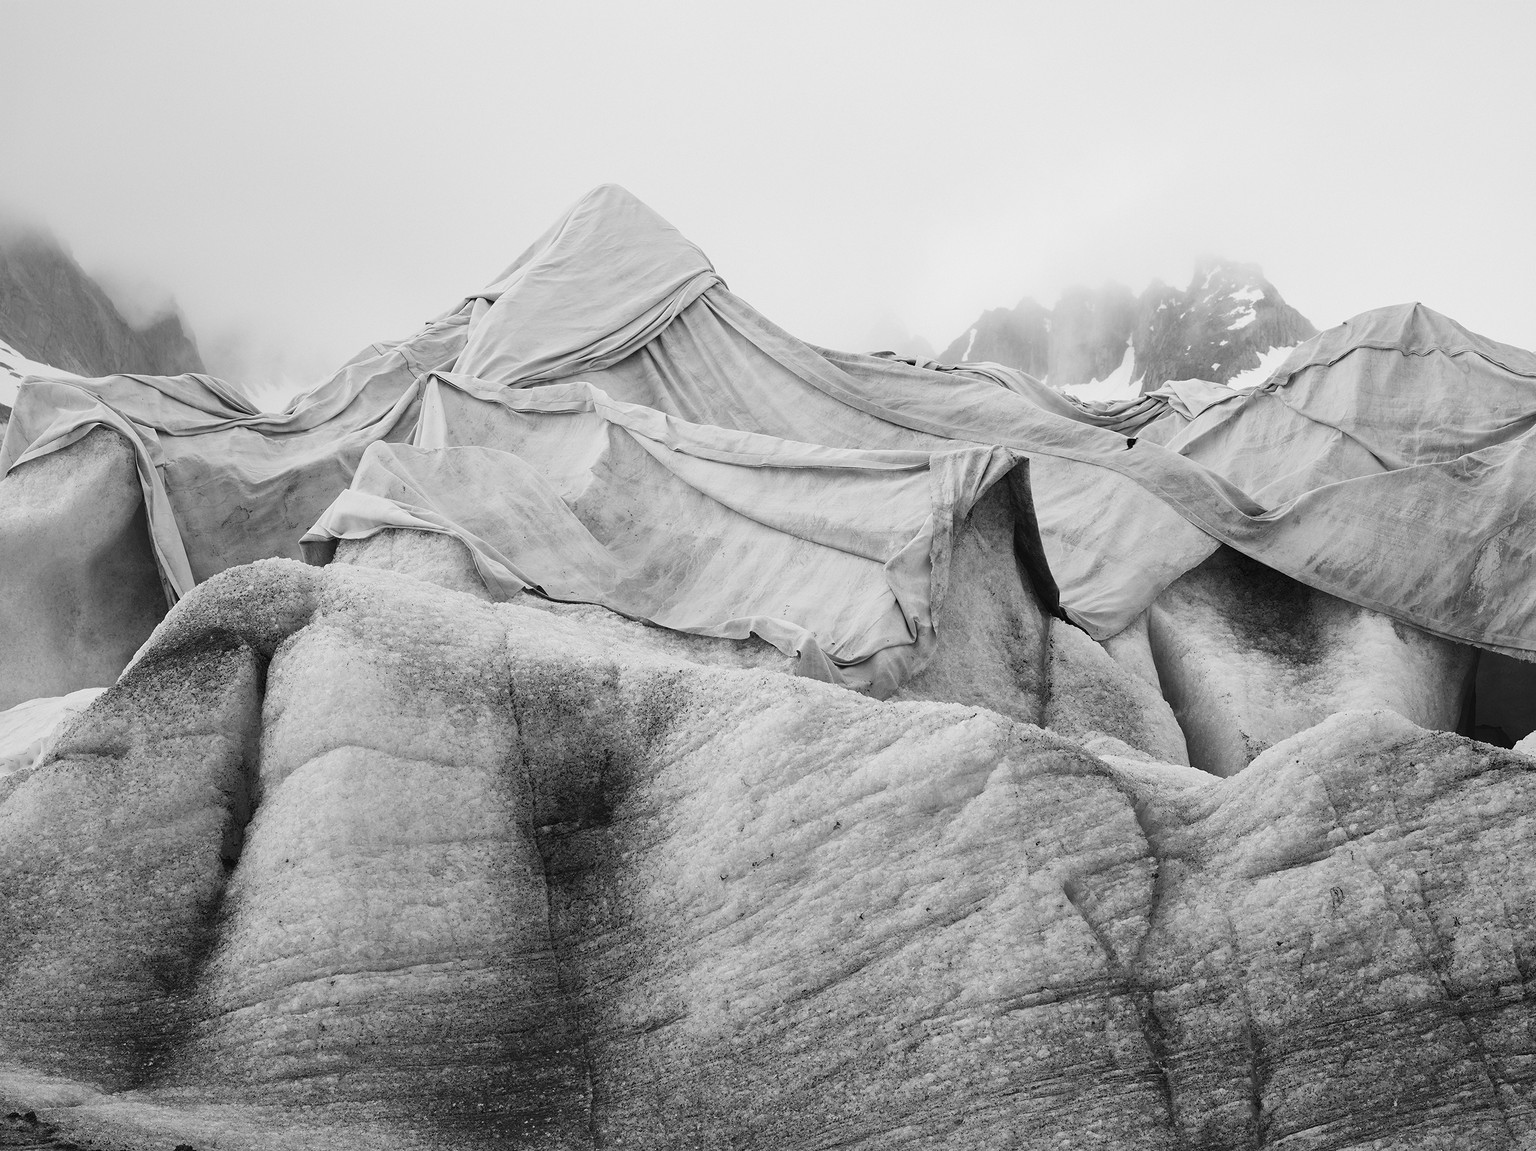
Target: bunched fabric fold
x=1388 y=462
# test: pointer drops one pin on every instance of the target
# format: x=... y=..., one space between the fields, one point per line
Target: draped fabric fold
x=225 y=483
x=835 y=556
x=597 y=285
x=1388 y=462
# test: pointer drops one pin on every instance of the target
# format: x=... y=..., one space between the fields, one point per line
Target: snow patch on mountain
x=14 y=367
x=1120 y=384
x=1269 y=363
x=1215 y=329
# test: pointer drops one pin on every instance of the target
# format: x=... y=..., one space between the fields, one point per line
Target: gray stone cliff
x=1216 y=328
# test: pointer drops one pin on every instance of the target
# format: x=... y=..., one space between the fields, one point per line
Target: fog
x=306 y=179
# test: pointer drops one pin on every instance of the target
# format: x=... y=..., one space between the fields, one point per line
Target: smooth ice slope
x=1248 y=657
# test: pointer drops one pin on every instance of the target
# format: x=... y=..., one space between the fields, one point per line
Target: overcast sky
x=308 y=178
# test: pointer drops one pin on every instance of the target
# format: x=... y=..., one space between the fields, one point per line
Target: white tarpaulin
x=834 y=555
x=1387 y=463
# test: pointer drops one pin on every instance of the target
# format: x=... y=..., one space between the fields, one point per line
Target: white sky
x=307 y=178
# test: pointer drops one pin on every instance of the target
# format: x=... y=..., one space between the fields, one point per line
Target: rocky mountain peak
x=1019 y=337
x=1224 y=324
x=1217 y=328
x=1090 y=330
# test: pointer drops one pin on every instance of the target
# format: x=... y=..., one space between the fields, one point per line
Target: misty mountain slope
x=1107 y=343
x=1019 y=337
x=51 y=311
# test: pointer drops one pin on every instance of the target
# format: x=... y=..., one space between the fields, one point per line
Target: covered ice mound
x=607 y=424
x=1384 y=463
x=999 y=649
x=349 y=859
x=81 y=590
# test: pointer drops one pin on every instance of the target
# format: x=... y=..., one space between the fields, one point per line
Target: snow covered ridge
x=1120 y=384
x=1108 y=344
x=1125 y=383
x=14 y=367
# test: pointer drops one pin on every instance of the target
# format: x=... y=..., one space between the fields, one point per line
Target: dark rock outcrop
x=1019 y=337
x=1215 y=329
x=51 y=311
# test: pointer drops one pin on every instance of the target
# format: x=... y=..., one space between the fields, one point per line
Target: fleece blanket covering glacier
x=1387 y=462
